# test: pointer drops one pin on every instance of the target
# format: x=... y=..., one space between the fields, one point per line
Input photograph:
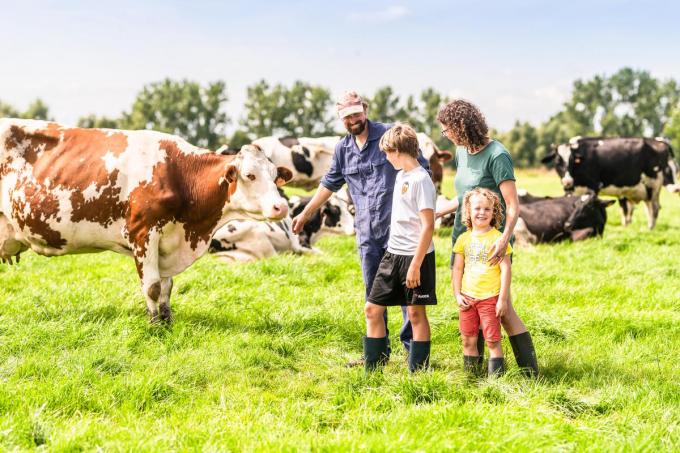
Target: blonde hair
x=400 y=138
x=495 y=201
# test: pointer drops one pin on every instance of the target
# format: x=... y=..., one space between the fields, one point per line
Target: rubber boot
x=375 y=353
x=471 y=365
x=525 y=354
x=419 y=356
x=496 y=366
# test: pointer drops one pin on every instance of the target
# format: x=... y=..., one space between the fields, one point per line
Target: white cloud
x=389 y=14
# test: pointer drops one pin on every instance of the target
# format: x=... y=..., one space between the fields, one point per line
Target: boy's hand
x=501 y=307
x=462 y=303
x=413 y=276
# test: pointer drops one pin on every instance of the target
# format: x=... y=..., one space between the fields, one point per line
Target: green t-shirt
x=488 y=168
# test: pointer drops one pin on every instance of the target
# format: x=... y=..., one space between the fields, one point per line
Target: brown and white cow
x=146 y=194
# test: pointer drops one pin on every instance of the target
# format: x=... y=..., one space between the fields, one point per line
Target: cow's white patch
x=573 y=141
x=567 y=181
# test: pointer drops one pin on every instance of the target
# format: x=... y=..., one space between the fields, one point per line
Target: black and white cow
x=631 y=169
x=246 y=240
x=310 y=158
x=574 y=217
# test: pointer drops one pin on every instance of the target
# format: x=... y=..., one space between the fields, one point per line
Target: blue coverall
x=370 y=179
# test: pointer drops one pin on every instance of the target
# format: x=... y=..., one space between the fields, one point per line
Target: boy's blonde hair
x=400 y=138
x=495 y=201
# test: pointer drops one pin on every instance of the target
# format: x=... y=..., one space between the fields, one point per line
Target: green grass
x=255 y=358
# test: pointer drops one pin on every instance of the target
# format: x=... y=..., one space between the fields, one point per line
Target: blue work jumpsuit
x=370 y=179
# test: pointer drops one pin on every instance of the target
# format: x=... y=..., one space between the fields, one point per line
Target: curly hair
x=466 y=122
x=495 y=201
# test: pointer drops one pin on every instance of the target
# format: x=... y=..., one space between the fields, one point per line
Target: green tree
x=266 y=110
x=522 y=142
x=629 y=103
x=308 y=110
x=432 y=101
x=302 y=110
x=238 y=139
x=94 y=121
x=184 y=108
x=384 y=105
x=672 y=130
x=7 y=111
x=37 y=110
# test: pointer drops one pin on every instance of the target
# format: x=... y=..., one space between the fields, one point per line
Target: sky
x=516 y=59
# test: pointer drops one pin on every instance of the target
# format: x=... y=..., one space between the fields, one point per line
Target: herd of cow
x=165 y=202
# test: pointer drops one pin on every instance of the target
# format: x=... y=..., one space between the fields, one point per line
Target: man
x=359 y=162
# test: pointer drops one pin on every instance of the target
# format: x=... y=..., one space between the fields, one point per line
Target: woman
x=486 y=163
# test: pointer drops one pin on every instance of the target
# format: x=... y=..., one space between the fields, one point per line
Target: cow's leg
x=146 y=259
x=627 y=207
x=653 y=208
x=164 y=299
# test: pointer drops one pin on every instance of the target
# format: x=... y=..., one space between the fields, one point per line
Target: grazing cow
x=246 y=240
x=145 y=194
x=546 y=219
x=631 y=169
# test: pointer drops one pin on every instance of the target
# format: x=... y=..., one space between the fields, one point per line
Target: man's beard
x=357 y=129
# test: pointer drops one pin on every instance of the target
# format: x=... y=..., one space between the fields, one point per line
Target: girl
x=481 y=288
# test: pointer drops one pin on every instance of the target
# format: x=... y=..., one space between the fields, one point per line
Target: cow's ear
x=283 y=175
x=444 y=156
x=606 y=203
x=549 y=158
x=232 y=179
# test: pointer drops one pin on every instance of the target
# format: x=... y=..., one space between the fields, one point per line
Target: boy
x=481 y=289
x=406 y=274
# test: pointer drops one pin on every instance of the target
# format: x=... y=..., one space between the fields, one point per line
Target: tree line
x=628 y=103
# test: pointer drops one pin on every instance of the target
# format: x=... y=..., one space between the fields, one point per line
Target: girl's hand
x=497 y=251
x=413 y=276
x=501 y=307
x=462 y=303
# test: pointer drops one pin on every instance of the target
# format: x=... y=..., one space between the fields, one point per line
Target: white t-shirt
x=413 y=192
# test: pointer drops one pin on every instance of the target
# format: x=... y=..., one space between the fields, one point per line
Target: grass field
x=255 y=358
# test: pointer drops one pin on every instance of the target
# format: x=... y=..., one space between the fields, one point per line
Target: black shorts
x=389 y=286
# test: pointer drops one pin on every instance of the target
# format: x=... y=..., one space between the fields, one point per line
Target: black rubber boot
x=419 y=356
x=471 y=365
x=375 y=352
x=525 y=354
x=496 y=366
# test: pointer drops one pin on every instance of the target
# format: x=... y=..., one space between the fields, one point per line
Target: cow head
x=590 y=212
x=252 y=182
x=572 y=163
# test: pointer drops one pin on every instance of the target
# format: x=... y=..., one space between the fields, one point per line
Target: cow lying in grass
x=246 y=240
x=546 y=219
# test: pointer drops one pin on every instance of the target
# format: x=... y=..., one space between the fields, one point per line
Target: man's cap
x=349 y=103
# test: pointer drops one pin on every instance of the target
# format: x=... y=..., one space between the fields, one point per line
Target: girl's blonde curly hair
x=495 y=201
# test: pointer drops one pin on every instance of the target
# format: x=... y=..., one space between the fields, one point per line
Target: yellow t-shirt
x=480 y=280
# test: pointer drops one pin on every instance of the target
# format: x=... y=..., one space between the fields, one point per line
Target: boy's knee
x=373 y=312
x=416 y=314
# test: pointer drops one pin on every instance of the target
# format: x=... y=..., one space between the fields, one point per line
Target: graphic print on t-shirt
x=476 y=252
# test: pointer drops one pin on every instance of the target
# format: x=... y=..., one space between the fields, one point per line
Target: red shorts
x=484 y=311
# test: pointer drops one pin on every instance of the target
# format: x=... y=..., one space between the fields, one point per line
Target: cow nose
x=280 y=210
